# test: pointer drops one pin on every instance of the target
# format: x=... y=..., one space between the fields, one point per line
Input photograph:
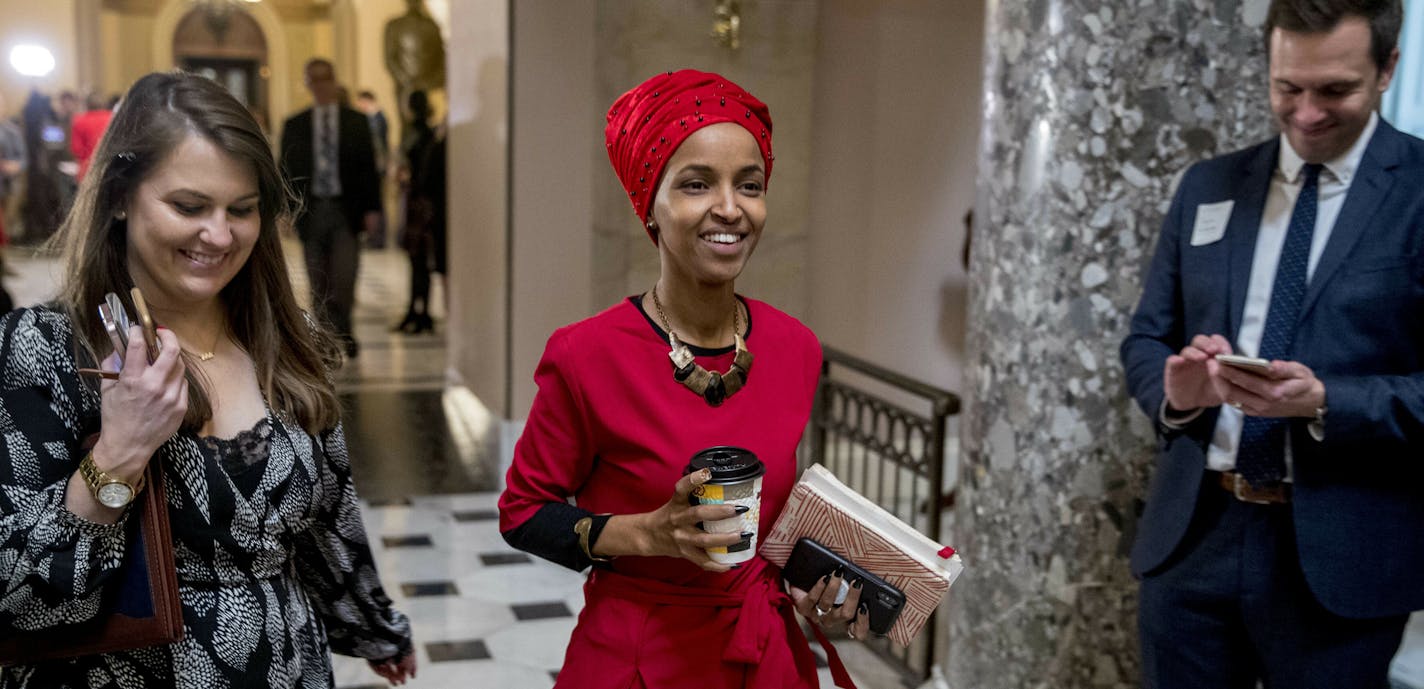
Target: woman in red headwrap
x=615 y=421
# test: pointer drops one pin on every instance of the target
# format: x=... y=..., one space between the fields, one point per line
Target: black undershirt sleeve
x=550 y=535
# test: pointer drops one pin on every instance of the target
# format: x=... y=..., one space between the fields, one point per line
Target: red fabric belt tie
x=764 y=609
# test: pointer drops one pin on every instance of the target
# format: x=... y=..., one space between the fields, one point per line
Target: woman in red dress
x=615 y=422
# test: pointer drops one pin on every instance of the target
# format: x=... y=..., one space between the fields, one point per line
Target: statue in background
x=415 y=57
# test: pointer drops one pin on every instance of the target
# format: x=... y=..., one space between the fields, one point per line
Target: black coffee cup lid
x=728 y=464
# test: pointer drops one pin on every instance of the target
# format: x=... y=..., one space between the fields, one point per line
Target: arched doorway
x=224 y=43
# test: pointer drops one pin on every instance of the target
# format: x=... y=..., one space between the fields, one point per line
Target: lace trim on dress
x=243 y=451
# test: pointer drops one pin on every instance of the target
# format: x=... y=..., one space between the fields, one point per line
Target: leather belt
x=1241 y=489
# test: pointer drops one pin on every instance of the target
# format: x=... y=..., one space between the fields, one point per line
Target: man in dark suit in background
x=381 y=142
x=1283 y=537
x=328 y=158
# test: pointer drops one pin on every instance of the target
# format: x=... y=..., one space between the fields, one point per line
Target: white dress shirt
x=1334 y=183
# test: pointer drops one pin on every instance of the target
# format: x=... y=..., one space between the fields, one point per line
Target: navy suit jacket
x=1358 y=497
x=356 y=165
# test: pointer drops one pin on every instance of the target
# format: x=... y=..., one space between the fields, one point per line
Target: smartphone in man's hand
x=1246 y=363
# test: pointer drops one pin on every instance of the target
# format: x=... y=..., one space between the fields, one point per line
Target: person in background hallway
x=40 y=212
x=238 y=413
x=381 y=141
x=87 y=129
x=423 y=230
x=12 y=163
x=613 y=426
x=1281 y=538
x=328 y=159
x=66 y=108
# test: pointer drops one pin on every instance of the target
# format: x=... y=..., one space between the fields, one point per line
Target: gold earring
x=652 y=226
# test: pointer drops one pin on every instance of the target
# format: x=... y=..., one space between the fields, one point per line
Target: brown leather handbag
x=140 y=607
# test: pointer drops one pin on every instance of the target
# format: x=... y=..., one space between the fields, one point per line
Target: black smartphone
x=809 y=561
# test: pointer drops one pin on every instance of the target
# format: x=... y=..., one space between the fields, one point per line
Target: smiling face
x=192 y=224
x=710 y=207
x=1324 y=87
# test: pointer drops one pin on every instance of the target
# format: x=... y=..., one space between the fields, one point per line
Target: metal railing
x=862 y=432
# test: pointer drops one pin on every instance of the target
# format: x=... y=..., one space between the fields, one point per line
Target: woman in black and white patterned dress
x=238 y=411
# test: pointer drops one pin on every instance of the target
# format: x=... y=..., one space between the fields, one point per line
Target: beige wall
x=477 y=56
x=556 y=129
x=127 y=60
x=895 y=156
x=50 y=24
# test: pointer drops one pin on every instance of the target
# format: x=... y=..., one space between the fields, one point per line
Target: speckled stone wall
x=1092 y=111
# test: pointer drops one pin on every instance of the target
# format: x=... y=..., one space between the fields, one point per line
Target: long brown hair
x=292 y=356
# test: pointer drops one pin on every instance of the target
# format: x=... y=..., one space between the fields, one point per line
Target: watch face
x=115 y=495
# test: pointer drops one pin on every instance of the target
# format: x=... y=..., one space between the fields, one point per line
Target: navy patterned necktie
x=325 y=183
x=1261 y=456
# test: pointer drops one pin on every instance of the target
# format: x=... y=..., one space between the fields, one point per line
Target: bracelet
x=583 y=528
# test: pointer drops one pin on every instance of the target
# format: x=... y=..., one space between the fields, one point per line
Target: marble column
x=1092 y=109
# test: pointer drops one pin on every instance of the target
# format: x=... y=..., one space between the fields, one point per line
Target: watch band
x=1316 y=426
x=96 y=478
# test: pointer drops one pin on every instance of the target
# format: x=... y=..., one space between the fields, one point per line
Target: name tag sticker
x=1211 y=222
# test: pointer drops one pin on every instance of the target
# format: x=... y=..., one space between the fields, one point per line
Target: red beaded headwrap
x=648 y=123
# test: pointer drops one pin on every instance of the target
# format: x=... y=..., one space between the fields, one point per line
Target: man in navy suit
x=1283 y=536
x=330 y=161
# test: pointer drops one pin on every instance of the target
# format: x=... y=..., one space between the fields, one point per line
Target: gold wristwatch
x=111 y=491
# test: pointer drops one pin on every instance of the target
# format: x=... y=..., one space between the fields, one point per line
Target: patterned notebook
x=836 y=516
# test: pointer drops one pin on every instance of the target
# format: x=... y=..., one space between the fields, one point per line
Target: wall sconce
x=727 y=26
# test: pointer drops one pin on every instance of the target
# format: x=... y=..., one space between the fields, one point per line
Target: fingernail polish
x=839 y=572
x=737 y=566
x=743 y=509
x=746 y=535
x=857 y=583
x=825 y=578
x=863 y=609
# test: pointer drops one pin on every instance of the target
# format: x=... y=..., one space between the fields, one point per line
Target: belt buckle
x=1237 y=481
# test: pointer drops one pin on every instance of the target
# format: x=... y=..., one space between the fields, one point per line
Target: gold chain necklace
x=711 y=386
x=212 y=351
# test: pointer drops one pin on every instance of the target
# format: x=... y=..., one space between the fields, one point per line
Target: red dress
x=613 y=429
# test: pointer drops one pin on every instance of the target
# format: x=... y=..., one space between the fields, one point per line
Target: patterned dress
x=274 y=571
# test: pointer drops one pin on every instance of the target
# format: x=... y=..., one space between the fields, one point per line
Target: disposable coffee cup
x=736 y=480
